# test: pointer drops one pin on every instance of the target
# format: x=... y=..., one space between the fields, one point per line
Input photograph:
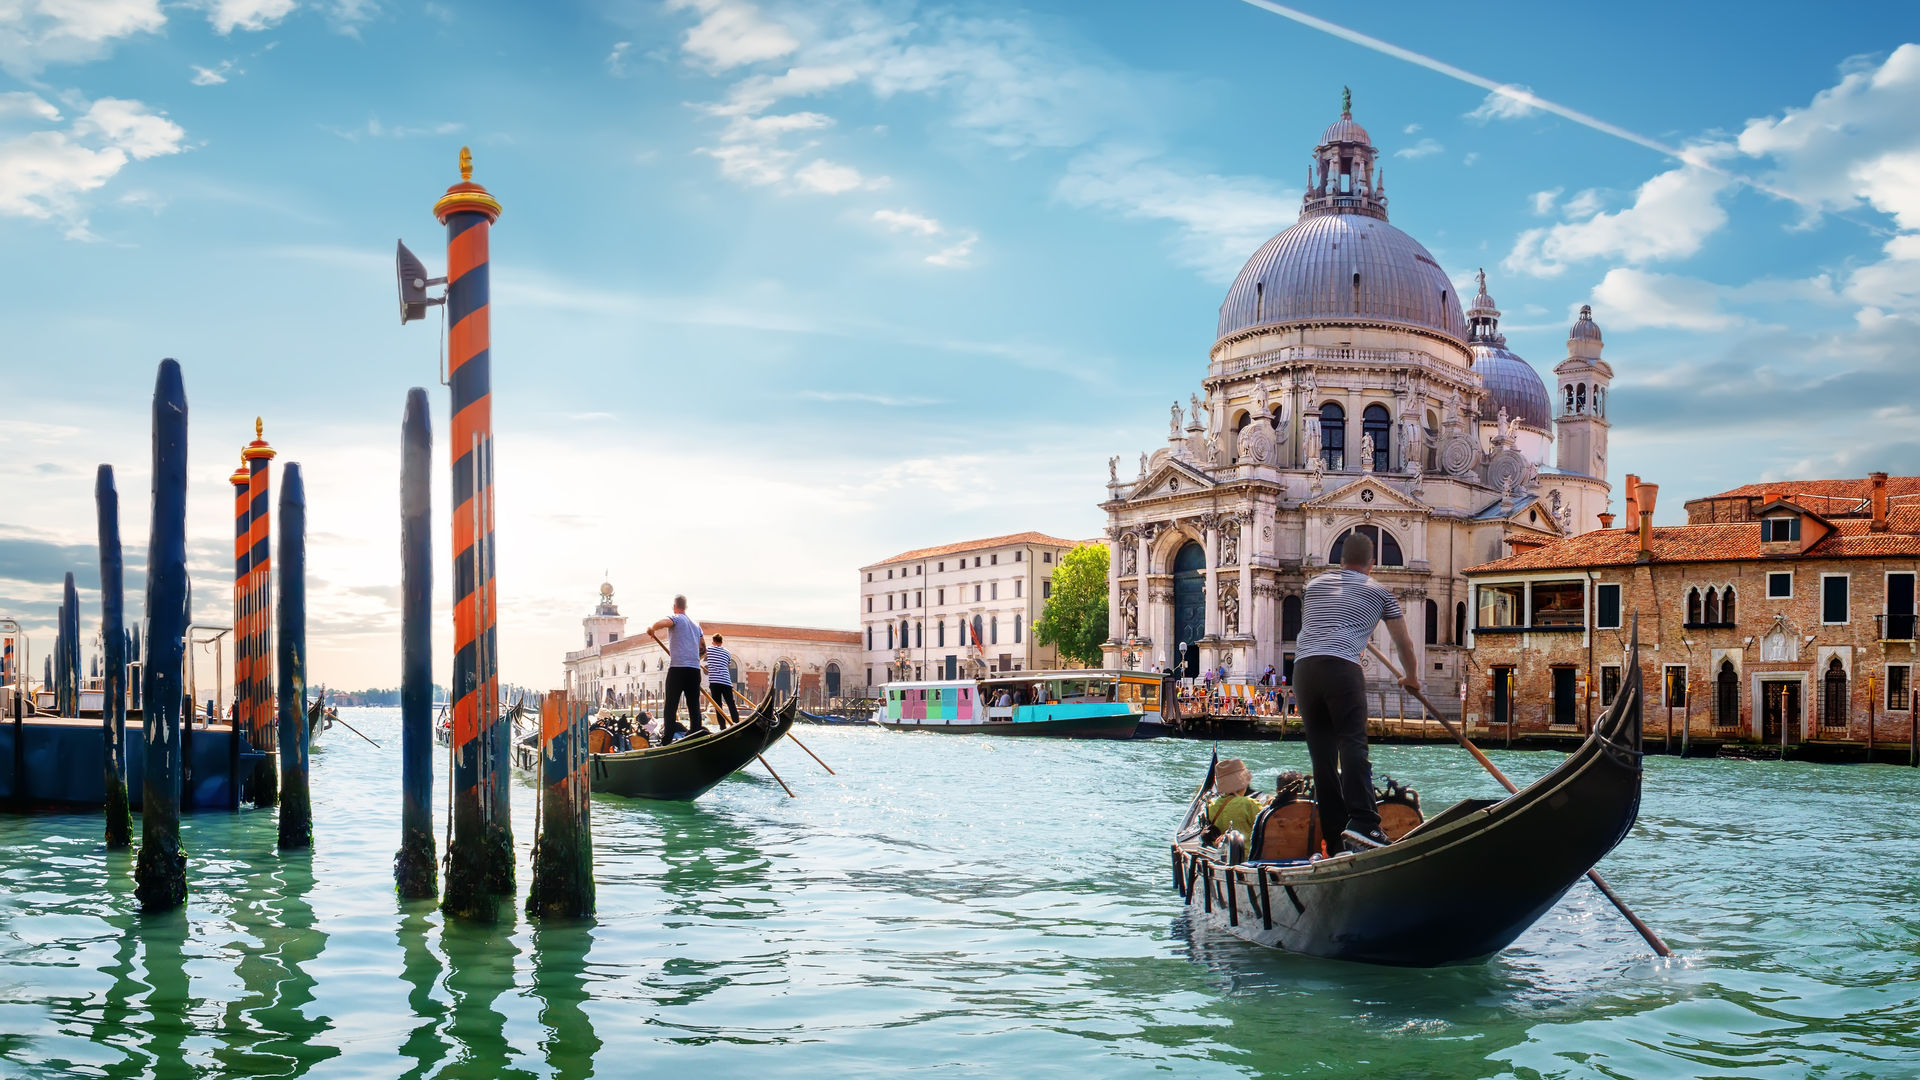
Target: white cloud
x=213 y=76
x=1423 y=148
x=1671 y=217
x=731 y=33
x=1543 y=201
x=44 y=174
x=1221 y=219
x=1508 y=102
x=831 y=178
x=230 y=15
x=36 y=33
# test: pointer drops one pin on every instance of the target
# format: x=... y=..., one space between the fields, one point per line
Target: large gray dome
x=1511 y=383
x=1342 y=267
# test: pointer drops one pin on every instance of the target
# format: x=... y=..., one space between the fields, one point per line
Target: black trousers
x=723 y=695
x=681 y=681
x=1332 y=696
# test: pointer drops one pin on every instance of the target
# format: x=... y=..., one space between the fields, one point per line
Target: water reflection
x=560 y=984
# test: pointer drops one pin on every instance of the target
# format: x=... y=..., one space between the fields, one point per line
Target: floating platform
x=62 y=766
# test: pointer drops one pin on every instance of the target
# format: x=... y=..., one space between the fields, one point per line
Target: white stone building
x=1347 y=391
x=613 y=668
x=958 y=609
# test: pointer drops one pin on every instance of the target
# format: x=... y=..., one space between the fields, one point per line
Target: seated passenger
x=1232 y=810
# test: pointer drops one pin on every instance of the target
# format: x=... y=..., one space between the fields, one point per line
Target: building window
x=1500 y=605
x=1606 y=608
x=1609 y=684
x=1375 y=421
x=1386 y=550
x=1726 y=696
x=1290 y=618
x=1833 y=696
x=1676 y=686
x=1046 y=589
x=1333 y=435
x=1899 y=698
x=1779 y=530
x=1433 y=623
x=1833 y=599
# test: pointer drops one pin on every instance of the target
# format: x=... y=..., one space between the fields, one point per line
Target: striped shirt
x=1342 y=609
x=719 y=666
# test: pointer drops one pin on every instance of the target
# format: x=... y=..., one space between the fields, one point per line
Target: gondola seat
x=1286 y=832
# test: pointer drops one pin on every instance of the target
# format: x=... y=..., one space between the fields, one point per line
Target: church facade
x=1347 y=392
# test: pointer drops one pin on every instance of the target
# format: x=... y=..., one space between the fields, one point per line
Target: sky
x=782 y=289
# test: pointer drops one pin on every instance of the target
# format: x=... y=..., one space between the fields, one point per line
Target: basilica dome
x=1342 y=262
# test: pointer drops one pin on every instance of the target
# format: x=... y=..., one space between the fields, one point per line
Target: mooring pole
x=481 y=857
x=260 y=608
x=415 y=876
x=563 y=849
x=242 y=712
x=113 y=682
x=296 y=805
x=160 y=875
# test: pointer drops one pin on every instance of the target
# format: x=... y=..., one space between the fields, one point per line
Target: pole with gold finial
x=480 y=856
x=261 y=731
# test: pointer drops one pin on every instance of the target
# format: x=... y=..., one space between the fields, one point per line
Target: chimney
x=1633 y=501
x=1879 y=502
x=1646 y=494
x=1606 y=521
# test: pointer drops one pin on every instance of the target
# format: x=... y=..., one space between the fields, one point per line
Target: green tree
x=1075 y=619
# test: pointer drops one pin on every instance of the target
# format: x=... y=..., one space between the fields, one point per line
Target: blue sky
x=783 y=288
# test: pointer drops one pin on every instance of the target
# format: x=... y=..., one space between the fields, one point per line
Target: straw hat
x=1232 y=777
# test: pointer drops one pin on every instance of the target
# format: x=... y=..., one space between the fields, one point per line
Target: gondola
x=690 y=767
x=1454 y=889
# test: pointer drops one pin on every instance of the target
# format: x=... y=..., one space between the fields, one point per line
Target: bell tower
x=1580 y=409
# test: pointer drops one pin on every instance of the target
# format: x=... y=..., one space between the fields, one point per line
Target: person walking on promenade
x=1342 y=609
x=720 y=679
x=684 y=649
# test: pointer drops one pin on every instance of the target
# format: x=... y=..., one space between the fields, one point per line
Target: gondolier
x=685 y=644
x=1341 y=611
x=720 y=679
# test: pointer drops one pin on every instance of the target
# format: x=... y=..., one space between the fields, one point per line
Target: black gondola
x=1455 y=889
x=690 y=767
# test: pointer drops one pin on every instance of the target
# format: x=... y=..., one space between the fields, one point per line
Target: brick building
x=1779 y=613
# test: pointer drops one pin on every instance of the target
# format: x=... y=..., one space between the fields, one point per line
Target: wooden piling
x=113 y=682
x=261 y=728
x=160 y=874
x=296 y=806
x=563 y=846
x=415 y=876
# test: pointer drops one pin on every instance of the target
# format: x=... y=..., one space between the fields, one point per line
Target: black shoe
x=1358 y=841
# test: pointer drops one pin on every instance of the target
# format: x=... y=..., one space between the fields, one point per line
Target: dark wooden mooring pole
x=415 y=876
x=113 y=683
x=480 y=858
x=160 y=875
x=563 y=846
x=296 y=805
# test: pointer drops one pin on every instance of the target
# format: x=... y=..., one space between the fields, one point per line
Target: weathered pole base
x=160 y=878
x=296 y=816
x=119 y=817
x=264 y=785
x=415 y=875
x=498 y=853
x=468 y=895
x=562 y=877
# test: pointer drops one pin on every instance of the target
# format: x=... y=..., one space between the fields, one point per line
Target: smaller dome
x=1585 y=329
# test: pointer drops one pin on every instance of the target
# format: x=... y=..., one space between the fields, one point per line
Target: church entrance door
x=1189 y=606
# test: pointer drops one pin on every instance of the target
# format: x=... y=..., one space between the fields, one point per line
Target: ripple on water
x=959 y=907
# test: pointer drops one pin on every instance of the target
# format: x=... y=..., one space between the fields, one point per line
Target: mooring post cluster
x=113 y=682
x=160 y=874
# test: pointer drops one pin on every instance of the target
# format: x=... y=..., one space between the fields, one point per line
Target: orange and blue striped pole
x=480 y=857
x=242 y=549
x=260 y=726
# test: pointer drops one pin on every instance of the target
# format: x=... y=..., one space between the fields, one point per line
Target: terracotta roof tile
x=1010 y=540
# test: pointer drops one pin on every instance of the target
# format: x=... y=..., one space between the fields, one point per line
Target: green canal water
x=960 y=907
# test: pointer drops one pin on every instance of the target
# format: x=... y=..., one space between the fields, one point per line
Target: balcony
x=1896 y=627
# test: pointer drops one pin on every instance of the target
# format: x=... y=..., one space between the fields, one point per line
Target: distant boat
x=1060 y=704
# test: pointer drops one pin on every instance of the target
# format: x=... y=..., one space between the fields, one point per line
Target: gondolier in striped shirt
x=1341 y=611
x=720 y=679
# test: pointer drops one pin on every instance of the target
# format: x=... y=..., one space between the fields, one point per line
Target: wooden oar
x=751 y=706
x=717 y=716
x=1653 y=939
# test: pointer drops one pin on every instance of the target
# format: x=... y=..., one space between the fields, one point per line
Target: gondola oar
x=716 y=717
x=1653 y=939
x=751 y=706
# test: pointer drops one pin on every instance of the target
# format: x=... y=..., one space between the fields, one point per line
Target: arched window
x=1460 y=623
x=1711 y=612
x=1433 y=623
x=1377 y=422
x=1290 y=618
x=1580 y=399
x=1833 y=712
x=1726 y=606
x=1726 y=696
x=1333 y=435
x=1693 y=605
x=833 y=680
x=1386 y=550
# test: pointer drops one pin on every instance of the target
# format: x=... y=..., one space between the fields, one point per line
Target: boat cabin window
x=1559 y=603
x=1500 y=605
